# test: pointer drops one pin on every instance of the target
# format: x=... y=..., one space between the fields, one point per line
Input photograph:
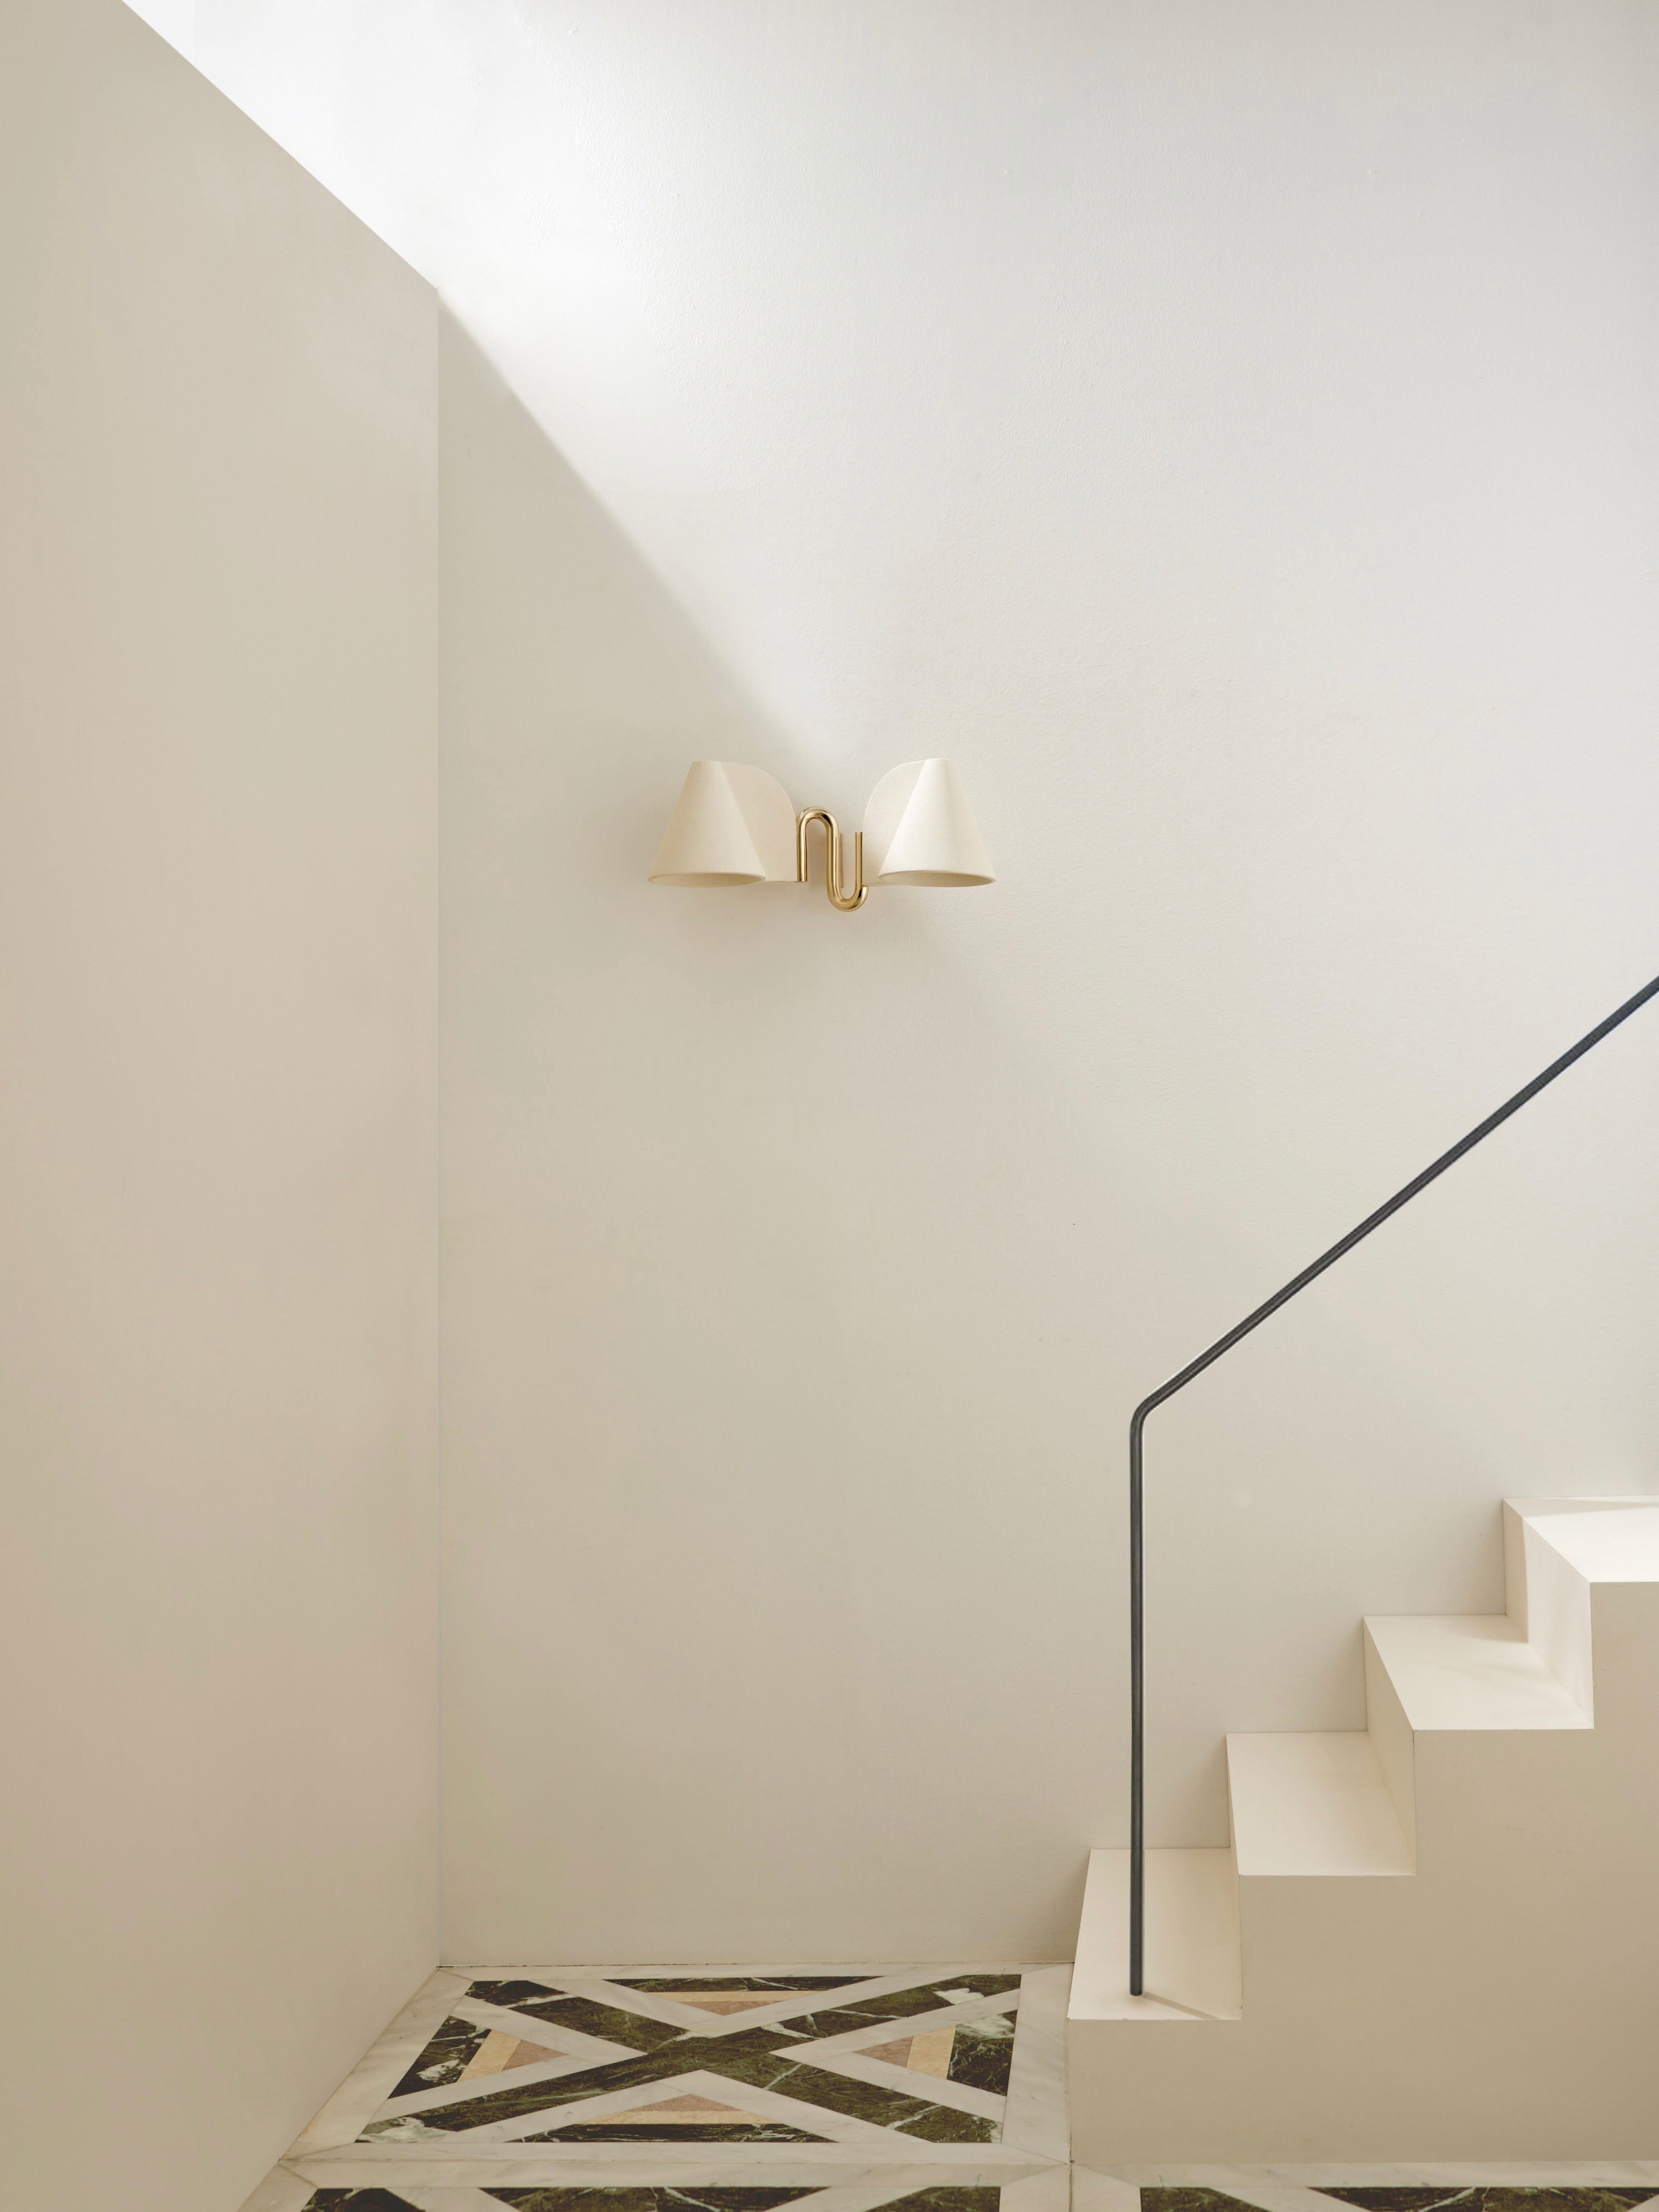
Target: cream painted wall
x=218 y=581
x=1229 y=433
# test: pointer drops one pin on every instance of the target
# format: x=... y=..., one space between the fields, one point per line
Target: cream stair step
x=1556 y=1553
x=1470 y=1671
x=1508 y=1993
x=1191 y=1940
x=1608 y=1540
x=1314 y=1805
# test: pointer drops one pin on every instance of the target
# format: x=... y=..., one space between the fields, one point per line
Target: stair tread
x=1192 y=1939
x=1313 y=1804
x=1471 y=1670
x=1608 y=1540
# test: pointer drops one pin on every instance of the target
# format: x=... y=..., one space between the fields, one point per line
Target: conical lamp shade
x=733 y=825
x=919 y=829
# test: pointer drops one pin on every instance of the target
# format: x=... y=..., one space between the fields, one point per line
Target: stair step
x=1608 y=1540
x=1472 y=1670
x=1313 y=1805
x=1192 y=1939
x=1556 y=1551
x=1423 y=2019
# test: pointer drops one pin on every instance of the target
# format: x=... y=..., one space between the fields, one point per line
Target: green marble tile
x=1493 y=2197
x=899 y=2005
x=946 y=2200
x=982 y=2052
x=832 y=2093
x=356 y=2199
x=609 y=2022
x=786 y=1985
x=444 y=2059
x=1191 y=2200
x=944 y=2124
x=512 y=1993
x=727 y=2053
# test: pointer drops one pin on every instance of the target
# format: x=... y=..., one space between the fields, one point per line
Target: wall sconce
x=736 y=824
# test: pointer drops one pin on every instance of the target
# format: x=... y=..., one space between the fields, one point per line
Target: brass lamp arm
x=834 y=881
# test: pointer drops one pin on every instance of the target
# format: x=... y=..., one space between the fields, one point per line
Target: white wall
x=218 y=583
x=1229 y=433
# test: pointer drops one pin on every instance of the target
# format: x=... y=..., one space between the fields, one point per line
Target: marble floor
x=668 y=2089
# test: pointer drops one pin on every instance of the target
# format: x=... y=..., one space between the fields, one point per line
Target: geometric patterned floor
x=626 y=2090
x=636 y=2089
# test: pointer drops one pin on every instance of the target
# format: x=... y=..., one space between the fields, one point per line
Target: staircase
x=1437 y=1938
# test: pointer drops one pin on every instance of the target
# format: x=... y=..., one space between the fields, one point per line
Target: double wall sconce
x=736 y=824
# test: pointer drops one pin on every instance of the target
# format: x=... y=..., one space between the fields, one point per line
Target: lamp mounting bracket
x=835 y=877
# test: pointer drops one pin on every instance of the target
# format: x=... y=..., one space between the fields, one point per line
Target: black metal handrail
x=1195 y=1367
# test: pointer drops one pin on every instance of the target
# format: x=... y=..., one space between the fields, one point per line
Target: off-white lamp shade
x=734 y=824
x=919 y=829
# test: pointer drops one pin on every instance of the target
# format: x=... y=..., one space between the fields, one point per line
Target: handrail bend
x=1195 y=1367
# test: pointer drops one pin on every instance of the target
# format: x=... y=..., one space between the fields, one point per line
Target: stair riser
x=1390 y=1731
x=1383 y=2020
x=1625 y=1618
x=1550 y=1602
x=1412 y=2086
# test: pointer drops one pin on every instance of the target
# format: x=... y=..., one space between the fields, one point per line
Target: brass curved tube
x=834 y=883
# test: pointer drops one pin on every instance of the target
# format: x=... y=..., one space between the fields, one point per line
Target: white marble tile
x=1606 y=2173
x=1271 y=2192
x=1102 y=2192
x=1210 y=2176
x=1048 y=2191
x=1036 y=2118
x=1257 y=2183
x=1040 y=2192
x=283 y=2190
x=502 y=2165
x=589 y=1970
x=425 y=2196
x=366 y=2088
x=657 y=2005
x=886 y=2184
